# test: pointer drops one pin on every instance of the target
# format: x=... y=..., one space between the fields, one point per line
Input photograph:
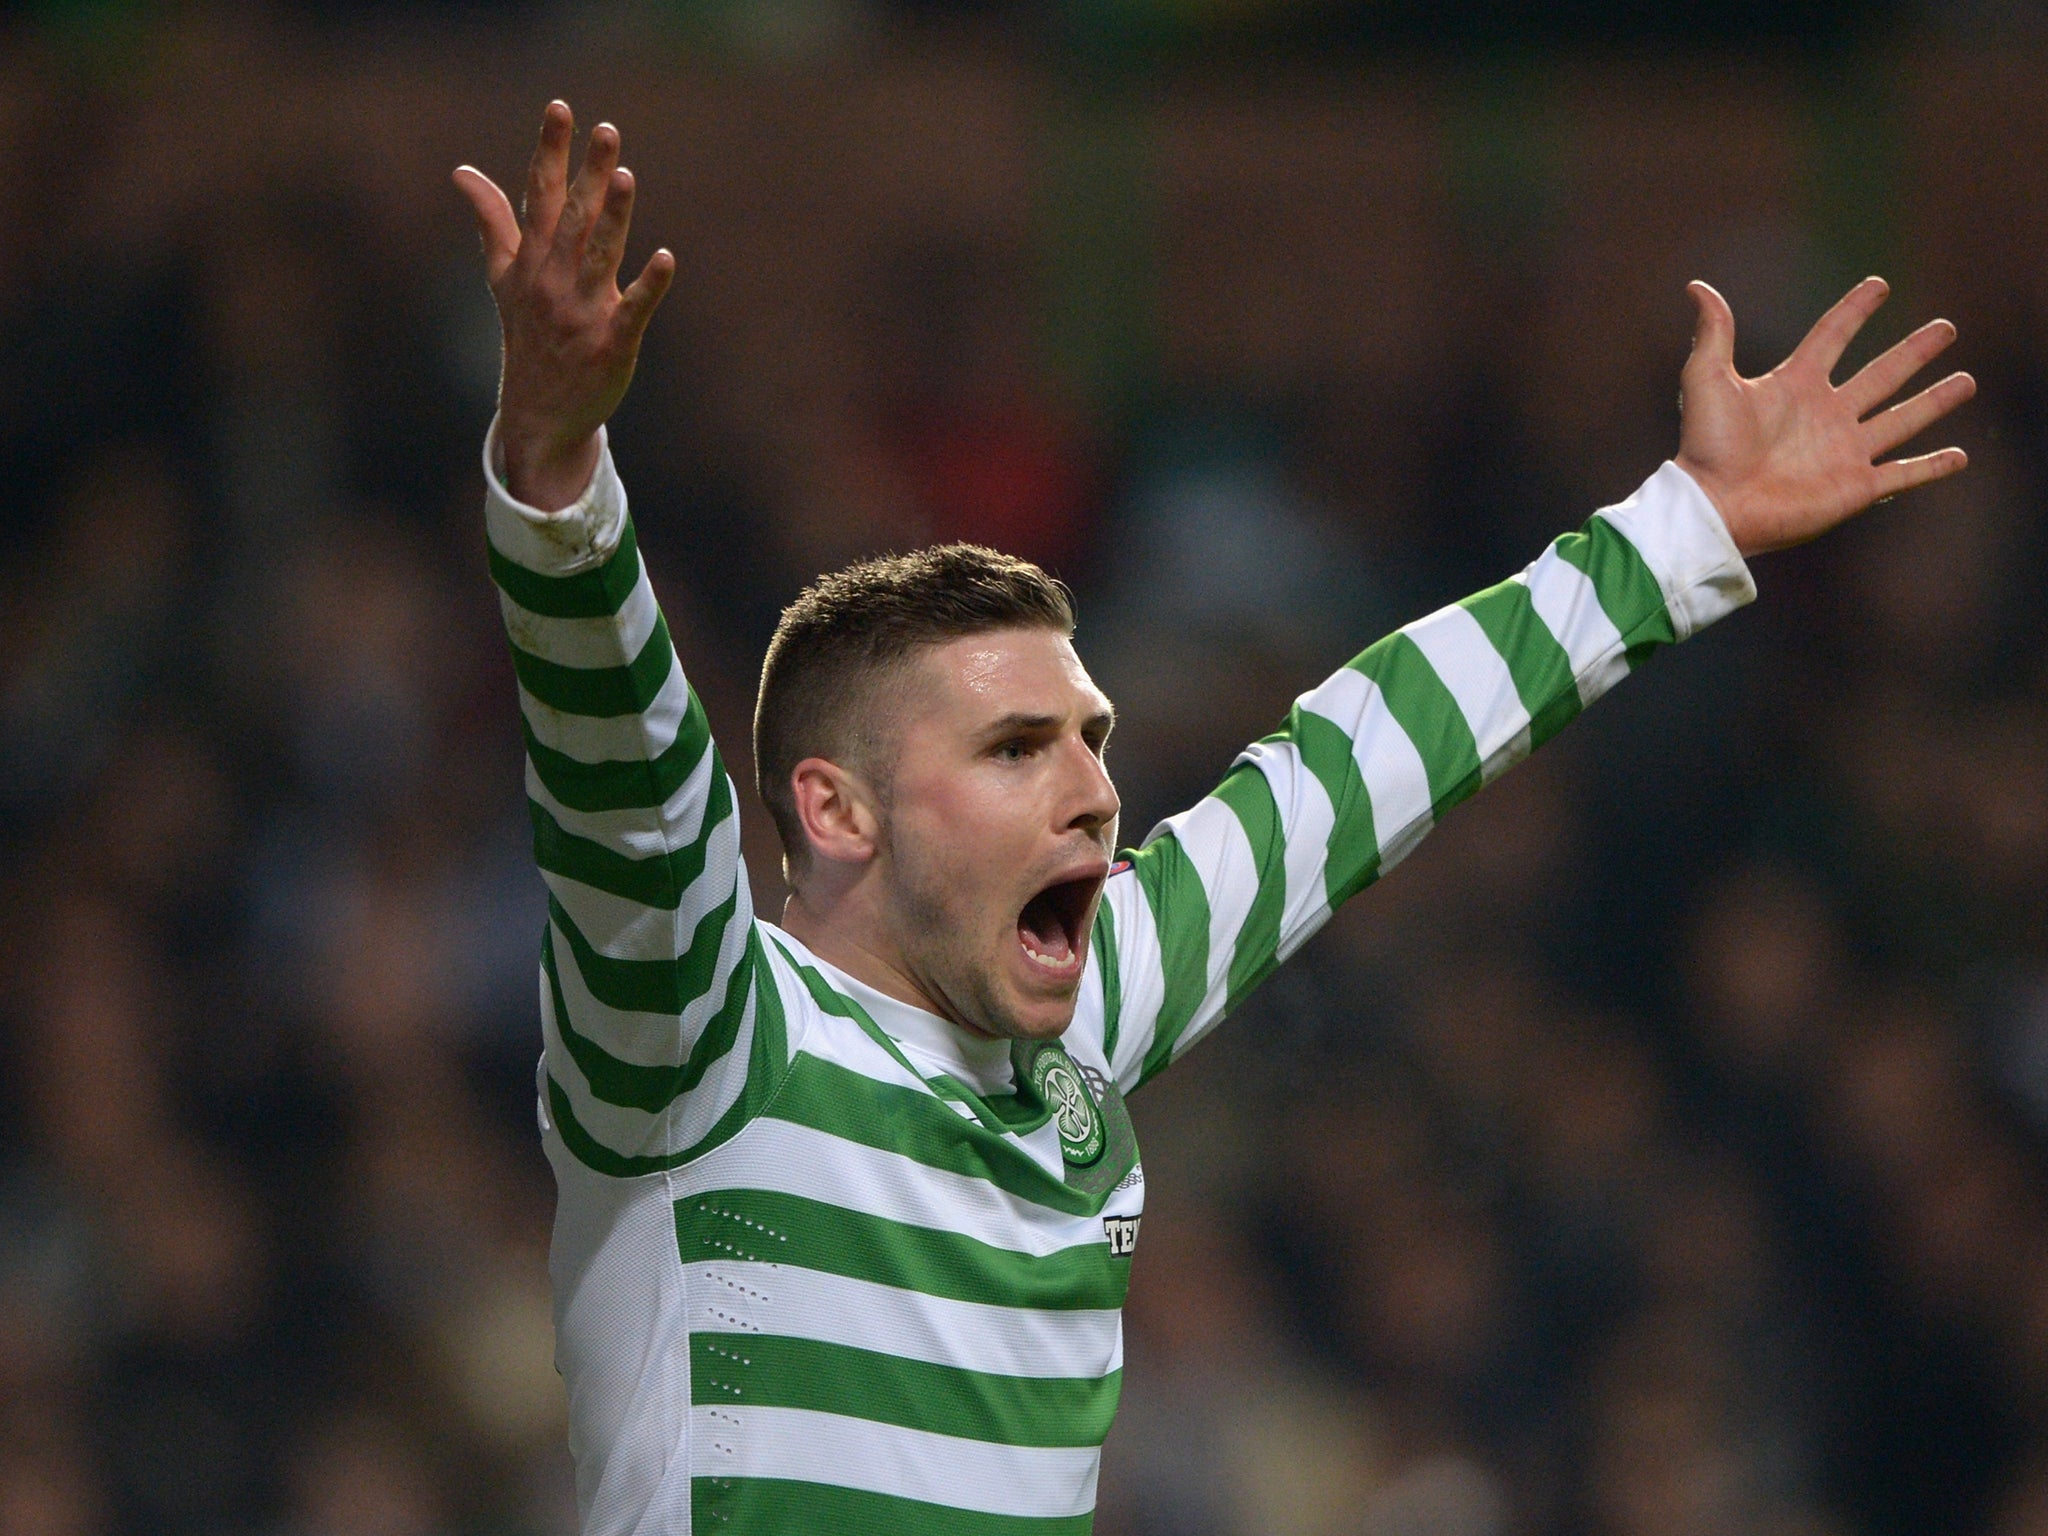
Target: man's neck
x=865 y=961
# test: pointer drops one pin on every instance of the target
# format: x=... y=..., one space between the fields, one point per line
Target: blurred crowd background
x=1661 y=1152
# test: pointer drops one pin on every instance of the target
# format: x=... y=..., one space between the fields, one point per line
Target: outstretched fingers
x=496 y=224
x=1882 y=378
x=1885 y=431
x=606 y=246
x=1832 y=333
x=586 y=196
x=547 y=174
x=638 y=303
x=1903 y=474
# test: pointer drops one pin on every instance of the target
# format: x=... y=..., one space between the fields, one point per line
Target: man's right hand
x=571 y=337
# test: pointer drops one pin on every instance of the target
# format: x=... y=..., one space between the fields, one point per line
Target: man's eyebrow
x=1019 y=722
x=1102 y=719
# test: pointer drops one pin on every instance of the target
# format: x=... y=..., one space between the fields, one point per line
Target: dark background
x=1660 y=1153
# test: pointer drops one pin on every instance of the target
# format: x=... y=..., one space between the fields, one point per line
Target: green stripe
x=1627 y=588
x=1248 y=794
x=624 y=784
x=1180 y=914
x=1110 y=965
x=820 y=1094
x=896 y=1118
x=748 y=1505
x=600 y=692
x=592 y=1153
x=632 y=1085
x=769 y=1226
x=839 y=1005
x=1417 y=699
x=657 y=880
x=1007 y=1114
x=592 y=594
x=1351 y=859
x=766 y=1064
x=1541 y=668
x=650 y=986
x=774 y=1371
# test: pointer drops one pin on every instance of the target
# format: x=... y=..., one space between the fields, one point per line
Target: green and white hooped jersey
x=823 y=1262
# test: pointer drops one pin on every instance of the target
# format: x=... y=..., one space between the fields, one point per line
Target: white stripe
x=836 y=1039
x=1396 y=778
x=638 y=1039
x=620 y=929
x=636 y=1132
x=731 y=945
x=1565 y=600
x=1138 y=974
x=694 y=1114
x=625 y=929
x=800 y=1160
x=639 y=831
x=744 y=1296
x=800 y=1445
x=1306 y=820
x=613 y=738
x=606 y=642
x=650 y=1034
x=1467 y=664
x=1684 y=542
x=845 y=1044
x=660 y=1039
x=1220 y=854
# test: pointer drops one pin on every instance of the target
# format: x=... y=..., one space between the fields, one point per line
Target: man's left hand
x=1788 y=456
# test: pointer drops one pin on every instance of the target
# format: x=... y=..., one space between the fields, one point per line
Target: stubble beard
x=939 y=949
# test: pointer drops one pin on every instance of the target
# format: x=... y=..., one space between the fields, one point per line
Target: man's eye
x=1013 y=751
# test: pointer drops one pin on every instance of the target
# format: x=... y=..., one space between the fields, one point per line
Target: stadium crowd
x=1662 y=1152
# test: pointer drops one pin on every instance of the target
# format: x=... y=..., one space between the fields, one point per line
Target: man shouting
x=848 y=1201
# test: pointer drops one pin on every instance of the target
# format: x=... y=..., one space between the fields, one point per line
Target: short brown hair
x=822 y=681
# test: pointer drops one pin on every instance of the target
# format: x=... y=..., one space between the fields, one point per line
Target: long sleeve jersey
x=824 y=1261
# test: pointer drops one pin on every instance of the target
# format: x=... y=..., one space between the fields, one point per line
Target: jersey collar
x=984 y=1064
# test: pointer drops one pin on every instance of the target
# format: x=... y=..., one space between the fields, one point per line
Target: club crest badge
x=1059 y=1084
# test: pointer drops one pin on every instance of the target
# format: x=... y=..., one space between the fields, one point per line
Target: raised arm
x=1366 y=764
x=648 y=997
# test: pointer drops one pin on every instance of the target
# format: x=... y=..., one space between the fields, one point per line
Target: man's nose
x=1094 y=802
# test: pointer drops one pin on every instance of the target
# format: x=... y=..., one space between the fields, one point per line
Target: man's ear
x=837 y=810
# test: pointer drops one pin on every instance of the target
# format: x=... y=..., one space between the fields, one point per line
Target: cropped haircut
x=824 y=683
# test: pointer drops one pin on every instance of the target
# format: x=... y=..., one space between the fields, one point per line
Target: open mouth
x=1050 y=928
